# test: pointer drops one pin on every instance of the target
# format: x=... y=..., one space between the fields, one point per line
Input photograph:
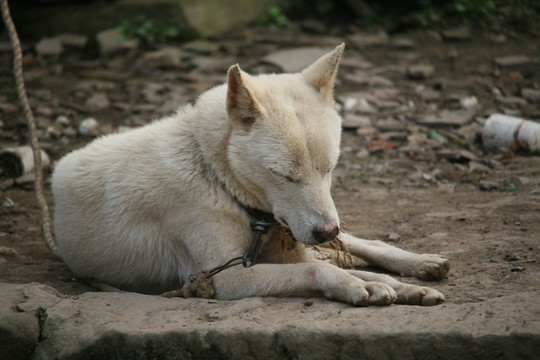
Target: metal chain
x=46 y=230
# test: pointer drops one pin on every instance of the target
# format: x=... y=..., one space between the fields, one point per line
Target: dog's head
x=284 y=144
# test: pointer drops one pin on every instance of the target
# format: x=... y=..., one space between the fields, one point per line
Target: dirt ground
x=433 y=202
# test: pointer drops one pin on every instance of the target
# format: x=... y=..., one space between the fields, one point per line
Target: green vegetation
x=274 y=18
x=148 y=30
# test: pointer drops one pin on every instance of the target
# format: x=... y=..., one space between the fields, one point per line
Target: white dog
x=143 y=210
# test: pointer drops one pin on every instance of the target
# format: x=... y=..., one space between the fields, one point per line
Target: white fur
x=144 y=209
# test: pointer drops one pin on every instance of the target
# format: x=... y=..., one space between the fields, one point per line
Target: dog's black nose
x=326 y=232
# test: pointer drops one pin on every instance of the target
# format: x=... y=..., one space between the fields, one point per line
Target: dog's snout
x=325 y=232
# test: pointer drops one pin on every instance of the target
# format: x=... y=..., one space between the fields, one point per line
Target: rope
x=46 y=231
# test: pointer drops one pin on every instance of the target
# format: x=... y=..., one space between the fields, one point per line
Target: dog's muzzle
x=326 y=232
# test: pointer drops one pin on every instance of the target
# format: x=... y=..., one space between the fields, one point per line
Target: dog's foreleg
x=406 y=293
x=303 y=279
x=376 y=252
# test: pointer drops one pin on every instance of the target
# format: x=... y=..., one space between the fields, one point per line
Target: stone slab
x=130 y=325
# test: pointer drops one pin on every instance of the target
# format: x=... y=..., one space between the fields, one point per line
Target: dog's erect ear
x=241 y=105
x=322 y=73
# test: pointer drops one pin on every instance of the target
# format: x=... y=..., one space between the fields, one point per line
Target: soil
x=492 y=238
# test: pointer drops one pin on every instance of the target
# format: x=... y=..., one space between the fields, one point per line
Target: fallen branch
x=21 y=92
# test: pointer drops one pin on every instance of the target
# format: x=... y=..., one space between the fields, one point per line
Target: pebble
x=468 y=102
x=73 y=40
x=111 y=41
x=512 y=60
x=533 y=95
x=49 y=47
x=7 y=108
x=513 y=102
x=168 y=57
x=97 y=102
x=429 y=94
x=354 y=121
x=63 y=119
x=89 y=127
x=402 y=43
x=201 y=46
x=485 y=185
x=8 y=202
x=457 y=34
x=368 y=39
x=420 y=71
x=393 y=237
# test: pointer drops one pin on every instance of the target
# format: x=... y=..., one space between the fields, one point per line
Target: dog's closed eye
x=287 y=177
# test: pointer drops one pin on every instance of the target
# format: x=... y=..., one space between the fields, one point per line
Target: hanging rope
x=21 y=92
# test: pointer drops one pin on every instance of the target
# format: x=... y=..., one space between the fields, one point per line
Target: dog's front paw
x=431 y=267
x=360 y=293
x=418 y=295
x=380 y=294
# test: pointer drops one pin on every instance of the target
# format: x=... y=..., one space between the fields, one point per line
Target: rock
x=513 y=102
x=207 y=64
x=201 y=46
x=393 y=237
x=533 y=95
x=387 y=104
x=496 y=38
x=111 y=41
x=353 y=121
x=73 y=40
x=420 y=71
x=366 y=132
x=7 y=107
x=89 y=127
x=402 y=43
x=478 y=167
x=168 y=57
x=485 y=185
x=446 y=119
x=429 y=95
x=97 y=102
x=20 y=309
x=63 y=120
x=96 y=325
x=49 y=47
x=356 y=104
x=389 y=124
x=386 y=93
x=362 y=153
x=458 y=34
x=368 y=39
x=468 y=102
x=296 y=59
x=512 y=60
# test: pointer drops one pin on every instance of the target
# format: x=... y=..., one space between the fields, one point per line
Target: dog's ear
x=241 y=105
x=322 y=73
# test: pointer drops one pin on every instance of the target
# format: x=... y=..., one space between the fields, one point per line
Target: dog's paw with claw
x=418 y=295
x=362 y=293
x=380 y=294
x=431 y=267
